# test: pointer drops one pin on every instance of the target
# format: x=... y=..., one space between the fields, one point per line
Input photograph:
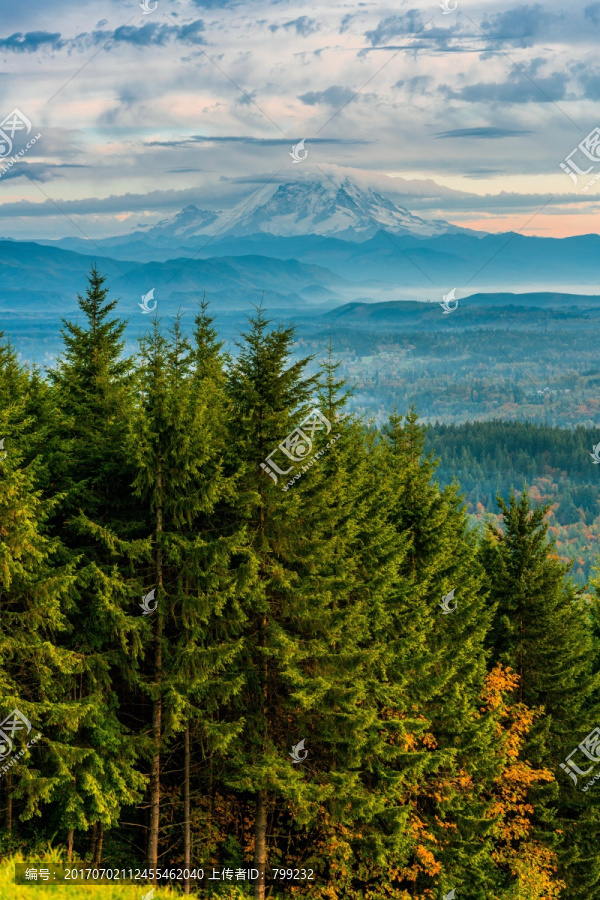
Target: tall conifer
x=541 y=629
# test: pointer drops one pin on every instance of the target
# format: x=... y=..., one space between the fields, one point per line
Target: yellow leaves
x=409 y=742
x=534 y=869
x=532 y=865
x=428 y=861
x=429 y=741
x=498 y=682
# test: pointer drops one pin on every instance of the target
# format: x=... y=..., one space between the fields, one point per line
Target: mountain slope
x=327 y=209
x=41 y=280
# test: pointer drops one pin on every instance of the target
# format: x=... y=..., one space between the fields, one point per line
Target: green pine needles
x=293 y=698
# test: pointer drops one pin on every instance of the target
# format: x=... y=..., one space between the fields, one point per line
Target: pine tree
x=95 y=518
x=443 y=659
x=35 y=595
x=179 y=480
x=541 y=631
x=310 y=667
x=92 y=381
x=206 y=351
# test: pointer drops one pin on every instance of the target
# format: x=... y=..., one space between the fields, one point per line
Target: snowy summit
x=343 y=210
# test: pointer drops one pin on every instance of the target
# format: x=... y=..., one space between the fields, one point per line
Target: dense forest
x=500 y=361
x=491 y=458
x=175 y=621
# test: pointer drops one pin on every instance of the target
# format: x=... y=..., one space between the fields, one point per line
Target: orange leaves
x=532 y=864
x=427 y=860
x=429 y=741
x=498 y=682
x=409 y=742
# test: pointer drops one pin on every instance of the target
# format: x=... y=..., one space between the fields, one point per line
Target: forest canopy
x=228 y=669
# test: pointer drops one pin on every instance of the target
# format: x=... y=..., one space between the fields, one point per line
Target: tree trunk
x=9 y=806
x=155 y=785
x=157 y=704
x=187 y=834
x=70 y=836
x=260 y=844
x=94 y=842
x=98 y=854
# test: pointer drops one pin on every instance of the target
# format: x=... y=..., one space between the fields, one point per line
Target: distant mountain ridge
x=398 y=311
x=343 y=210
x=35 y=277
x=322 y=209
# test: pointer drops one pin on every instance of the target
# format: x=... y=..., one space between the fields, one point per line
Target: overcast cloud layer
x=464 y=116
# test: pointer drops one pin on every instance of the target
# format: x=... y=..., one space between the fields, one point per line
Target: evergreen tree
x=95 y=519
x=541 y=630
x=179 y=480
x=91 y=382
x=444 y=660
x=310 y=669
x=298 y=558
x=34 y=604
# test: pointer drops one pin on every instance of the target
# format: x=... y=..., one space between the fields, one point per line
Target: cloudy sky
x=465 y=115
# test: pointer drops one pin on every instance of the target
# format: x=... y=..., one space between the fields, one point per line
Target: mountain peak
x=336 y=208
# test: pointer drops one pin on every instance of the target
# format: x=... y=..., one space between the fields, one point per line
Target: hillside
x=490 y=458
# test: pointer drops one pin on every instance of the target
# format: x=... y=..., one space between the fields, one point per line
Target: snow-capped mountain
x=341 y=210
